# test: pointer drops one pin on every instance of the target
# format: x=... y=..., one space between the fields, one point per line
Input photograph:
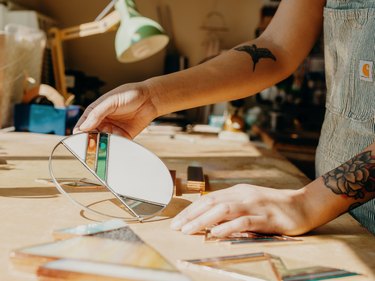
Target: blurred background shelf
x=299 y=147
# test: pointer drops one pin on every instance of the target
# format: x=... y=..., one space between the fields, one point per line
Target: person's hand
x=246 y=208
x=125 y=111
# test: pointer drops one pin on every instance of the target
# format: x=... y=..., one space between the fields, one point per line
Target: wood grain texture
x=27 y=145
x=30 y=211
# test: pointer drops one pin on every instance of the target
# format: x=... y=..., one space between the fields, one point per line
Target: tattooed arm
x=344 y=188
x=291 y=212
x=250 y=67
x=242 y=71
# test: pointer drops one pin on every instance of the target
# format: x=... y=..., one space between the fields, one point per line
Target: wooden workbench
x=30 y=211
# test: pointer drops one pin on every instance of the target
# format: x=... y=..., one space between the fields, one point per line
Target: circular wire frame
x=128 y=210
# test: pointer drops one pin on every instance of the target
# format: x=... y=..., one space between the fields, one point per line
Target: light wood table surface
x=30 y=211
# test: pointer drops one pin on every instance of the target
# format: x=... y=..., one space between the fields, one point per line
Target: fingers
x=109 y=126
x=225 y=205
x=243 y=223
x=76 y=129
x=201 y=206
x=213 y=216
x=243 y=208
x=95 y=114
x=190 y=213
x=84 y=116
x=105 y=127
x=120 y=128
x=113 y=127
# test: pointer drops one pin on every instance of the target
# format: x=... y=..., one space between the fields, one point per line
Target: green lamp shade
x=139 y=38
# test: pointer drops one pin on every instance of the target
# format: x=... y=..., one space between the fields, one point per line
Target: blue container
x=45 y=119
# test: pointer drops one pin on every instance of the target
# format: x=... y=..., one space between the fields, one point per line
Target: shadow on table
x=4 y=166
x=174 y=207
x=352 y=235
x=29 y=192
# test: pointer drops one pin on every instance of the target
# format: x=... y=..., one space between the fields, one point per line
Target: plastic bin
x=45 y=119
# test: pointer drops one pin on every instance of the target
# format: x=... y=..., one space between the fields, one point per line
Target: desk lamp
x=137 y=38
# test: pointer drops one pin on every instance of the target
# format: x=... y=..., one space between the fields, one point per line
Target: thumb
x=97 y=114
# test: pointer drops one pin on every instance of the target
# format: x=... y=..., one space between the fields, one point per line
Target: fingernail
x=176 y=225
x=187 y=229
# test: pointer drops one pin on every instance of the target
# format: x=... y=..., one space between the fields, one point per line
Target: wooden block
x=176 y=184
x=173 y=175
x=207 y=186
x=196 y=180
x=178 y=187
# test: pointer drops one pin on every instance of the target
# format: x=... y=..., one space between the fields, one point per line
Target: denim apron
x=349 y=124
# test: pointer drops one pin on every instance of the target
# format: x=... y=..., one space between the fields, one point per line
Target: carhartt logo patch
x=366 y=70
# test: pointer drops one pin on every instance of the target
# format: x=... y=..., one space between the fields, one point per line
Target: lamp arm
x=106 y=24
x=57 y=36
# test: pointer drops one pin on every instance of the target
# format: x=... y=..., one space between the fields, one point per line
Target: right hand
x=125 y=111
x=247 y=207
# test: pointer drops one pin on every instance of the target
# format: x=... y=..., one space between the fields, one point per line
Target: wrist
x=299 y=199
x=320 y=205
x=153 y=89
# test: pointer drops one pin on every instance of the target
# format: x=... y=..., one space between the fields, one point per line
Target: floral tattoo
x=256 y=53
x=354 y=178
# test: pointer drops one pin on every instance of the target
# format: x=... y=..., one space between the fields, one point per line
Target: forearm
x=227 y=77
x=343 y=188
x=237 y=74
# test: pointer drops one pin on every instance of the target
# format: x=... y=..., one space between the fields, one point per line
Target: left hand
x=246 y=208
x=125 y=111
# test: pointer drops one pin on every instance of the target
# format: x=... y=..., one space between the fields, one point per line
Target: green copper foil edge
x=101 y=166
x=91 y=150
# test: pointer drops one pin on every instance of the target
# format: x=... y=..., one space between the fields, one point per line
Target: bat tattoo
x=256 y=53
